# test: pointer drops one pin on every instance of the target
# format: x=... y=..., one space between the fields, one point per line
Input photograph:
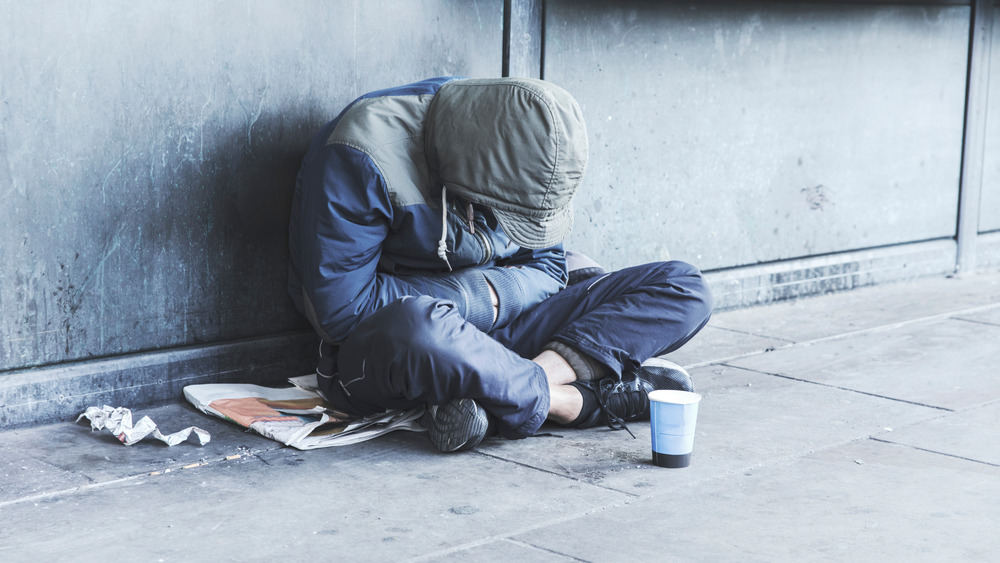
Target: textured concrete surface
x=779 y=127
x=855 y=426
x=863 y=501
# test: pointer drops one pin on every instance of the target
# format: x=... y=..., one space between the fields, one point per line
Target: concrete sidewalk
x=856 y=426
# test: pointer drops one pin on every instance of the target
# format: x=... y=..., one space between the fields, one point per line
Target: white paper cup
x=672 y=420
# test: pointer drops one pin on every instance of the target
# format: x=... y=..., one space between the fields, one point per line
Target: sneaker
x=664 y=374
x=581 y=267
x=459 y=424
x=627 y=399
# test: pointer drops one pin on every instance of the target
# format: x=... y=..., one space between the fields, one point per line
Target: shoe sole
x=664 y=374
x=456 y=426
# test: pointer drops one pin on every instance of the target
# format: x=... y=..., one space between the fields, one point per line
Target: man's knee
x=384 y=360
x=411 y=323
x=687 y=281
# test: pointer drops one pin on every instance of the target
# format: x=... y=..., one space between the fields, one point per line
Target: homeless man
x=425 y=242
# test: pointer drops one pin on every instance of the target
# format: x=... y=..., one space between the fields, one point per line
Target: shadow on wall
x=224 y=233
x=183 y=241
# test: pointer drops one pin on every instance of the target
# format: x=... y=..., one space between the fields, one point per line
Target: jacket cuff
x=508 y=291
x=478 y=305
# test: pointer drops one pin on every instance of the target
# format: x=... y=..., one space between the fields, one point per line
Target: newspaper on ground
x=306 y=383
x=295 y=416
x=118 y=421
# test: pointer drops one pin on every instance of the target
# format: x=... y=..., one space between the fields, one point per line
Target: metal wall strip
x=974 y=143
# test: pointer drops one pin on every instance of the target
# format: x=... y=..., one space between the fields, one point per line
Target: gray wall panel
x=730 y=134
x=989 y=213
x=148 y=152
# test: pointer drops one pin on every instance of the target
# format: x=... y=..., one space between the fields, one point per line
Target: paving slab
x=500 y=550
x=813 y=318
x=401 y=500
x=947 y=363
x=863 y=501
x=97 y=457
x=23 y=476
x=986 y=316
x=836 y=445
x=745 y=420
x=714 y=344
x=971 y=434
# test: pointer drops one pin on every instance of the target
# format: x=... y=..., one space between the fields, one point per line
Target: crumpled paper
x=118 y=421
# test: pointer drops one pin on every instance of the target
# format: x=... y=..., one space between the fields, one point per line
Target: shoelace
x=632 y=402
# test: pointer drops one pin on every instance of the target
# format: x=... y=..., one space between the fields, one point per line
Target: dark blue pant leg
x=620 y=319
x=420 y=350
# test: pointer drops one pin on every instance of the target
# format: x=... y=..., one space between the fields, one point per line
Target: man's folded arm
x=338 y=263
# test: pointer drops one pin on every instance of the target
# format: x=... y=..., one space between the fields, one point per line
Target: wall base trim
x=755 y=285
x=63 y=391
x=988 y=250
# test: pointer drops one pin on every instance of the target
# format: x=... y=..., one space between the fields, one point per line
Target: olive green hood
x=516 y=145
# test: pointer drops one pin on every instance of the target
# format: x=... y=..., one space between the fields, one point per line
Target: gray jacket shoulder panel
x=390 y=131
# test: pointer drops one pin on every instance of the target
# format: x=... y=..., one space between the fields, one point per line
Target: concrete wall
x=148 y=152
x=734 y=134
x=147 y=157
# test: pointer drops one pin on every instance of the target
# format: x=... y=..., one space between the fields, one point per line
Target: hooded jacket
x=373 y=220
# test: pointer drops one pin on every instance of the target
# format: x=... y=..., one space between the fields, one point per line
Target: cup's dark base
x=672 y=461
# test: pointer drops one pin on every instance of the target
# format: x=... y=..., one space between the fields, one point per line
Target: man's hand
x=495 y=300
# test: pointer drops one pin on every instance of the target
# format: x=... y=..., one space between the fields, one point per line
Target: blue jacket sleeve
x=526 y=279
x=341 y=218
x=521 y=282
x=341 y=226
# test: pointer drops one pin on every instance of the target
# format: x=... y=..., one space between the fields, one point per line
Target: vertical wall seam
x=974 y=134
x=541 y=36
x=505 y=51
x=522 y=38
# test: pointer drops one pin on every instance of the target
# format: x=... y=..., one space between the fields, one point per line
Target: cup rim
x=674 y=396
